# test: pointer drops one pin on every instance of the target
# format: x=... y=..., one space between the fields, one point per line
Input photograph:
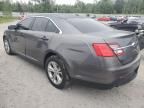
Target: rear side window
x=88 y=25
x=40 y=24
x=26 y=22
x=51 y=27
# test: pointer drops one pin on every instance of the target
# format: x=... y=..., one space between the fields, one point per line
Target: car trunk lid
x=128 y=45
x=124 y=44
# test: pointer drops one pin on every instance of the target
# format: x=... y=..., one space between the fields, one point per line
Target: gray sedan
x=70 y=46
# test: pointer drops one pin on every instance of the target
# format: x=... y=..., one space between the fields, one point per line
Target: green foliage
x=105 y=6
x=134 y=7
x=98 y=7
x=1 y=5
x=6 y=8
x=6 y=19
x=118 y=6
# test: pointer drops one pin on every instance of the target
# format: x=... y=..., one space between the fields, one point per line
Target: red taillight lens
x=103 y=49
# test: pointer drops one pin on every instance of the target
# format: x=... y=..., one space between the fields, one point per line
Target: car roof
x=63 y=16
x=60 y=19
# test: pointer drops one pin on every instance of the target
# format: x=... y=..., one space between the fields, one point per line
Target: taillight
x=107 y=50
x=103 y=49
x=117 y=50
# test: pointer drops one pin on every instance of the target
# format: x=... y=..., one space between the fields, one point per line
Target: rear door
x=34 y=39
x=37 y=41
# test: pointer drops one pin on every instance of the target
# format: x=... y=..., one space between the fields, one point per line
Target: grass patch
x=5 y=19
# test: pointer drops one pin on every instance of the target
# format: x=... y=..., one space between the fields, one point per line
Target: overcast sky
x=69 y=2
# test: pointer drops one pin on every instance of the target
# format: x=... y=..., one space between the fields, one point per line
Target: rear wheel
x=7 y=46
x=56 y=72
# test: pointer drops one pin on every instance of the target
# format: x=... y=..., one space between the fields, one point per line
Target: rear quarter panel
x=78 y=53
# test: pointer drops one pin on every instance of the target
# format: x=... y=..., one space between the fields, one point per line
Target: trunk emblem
x=133 y=44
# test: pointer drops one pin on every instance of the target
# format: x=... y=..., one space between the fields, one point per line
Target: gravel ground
x=25 y=85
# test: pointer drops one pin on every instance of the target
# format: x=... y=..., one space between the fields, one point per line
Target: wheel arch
x=4 y=36
x=51 y=53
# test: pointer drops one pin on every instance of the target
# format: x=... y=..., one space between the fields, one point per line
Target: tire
x=7 y=46
x=56 y=72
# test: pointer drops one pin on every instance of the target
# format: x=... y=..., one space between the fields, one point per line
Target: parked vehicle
x=130 y=24
x=140 y=34
x=21 y=17
x=104 y=19
x=124 y=26
x=70 y=46
x=113 y=18
x=141 y=39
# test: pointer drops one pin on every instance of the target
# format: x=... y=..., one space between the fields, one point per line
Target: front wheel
x=56 y=72
x=7 y=46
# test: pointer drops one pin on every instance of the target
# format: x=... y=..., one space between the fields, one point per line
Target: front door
x=19 y=42
x=18 y=37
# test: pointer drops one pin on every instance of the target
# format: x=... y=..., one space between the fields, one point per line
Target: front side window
x=51 y=27
x=26 y=22
x=40 y=24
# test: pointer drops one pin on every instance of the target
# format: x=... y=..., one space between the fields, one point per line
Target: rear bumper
x=124 y=74
x=125 y=79
x=114 y=76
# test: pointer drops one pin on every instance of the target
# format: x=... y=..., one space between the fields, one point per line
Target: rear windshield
x=88 y=25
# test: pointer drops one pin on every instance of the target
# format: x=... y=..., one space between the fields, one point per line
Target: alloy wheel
x=6 y=46
x=55 y=72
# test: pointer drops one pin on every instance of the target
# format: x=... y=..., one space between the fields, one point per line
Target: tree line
x=98 y=7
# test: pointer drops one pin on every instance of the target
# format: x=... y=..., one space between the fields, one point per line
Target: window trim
x=60 y=31
x=30 y=26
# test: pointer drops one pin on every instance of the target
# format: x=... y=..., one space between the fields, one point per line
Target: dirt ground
x=25 y=85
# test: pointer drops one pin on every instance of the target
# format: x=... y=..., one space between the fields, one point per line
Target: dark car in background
x=70 y=46
x=130 y=24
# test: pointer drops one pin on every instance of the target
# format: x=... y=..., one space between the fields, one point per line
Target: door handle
x=44 y=38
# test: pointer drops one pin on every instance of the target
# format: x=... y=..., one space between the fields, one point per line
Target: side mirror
x=12 y=27
x=22 y=27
